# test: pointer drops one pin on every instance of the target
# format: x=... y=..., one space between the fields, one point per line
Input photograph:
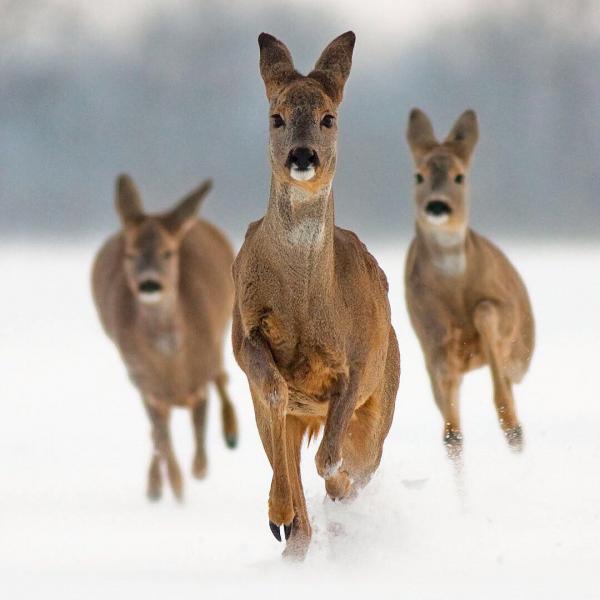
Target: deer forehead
x=301 y=97
x=440 y=162
x=149 y=236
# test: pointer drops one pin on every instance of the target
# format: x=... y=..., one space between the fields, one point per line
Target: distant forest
x=184 y=100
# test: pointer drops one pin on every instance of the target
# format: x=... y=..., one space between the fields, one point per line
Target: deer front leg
x=445 y=384
x=487 y=323
x=256 y=359
x=159 y=414
x=329 y=455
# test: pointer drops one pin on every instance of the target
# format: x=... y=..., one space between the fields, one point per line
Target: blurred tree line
x=182 y=99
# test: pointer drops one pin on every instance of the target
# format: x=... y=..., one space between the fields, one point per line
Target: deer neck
x=161 y=324
x=446 y=250
x=299 y=227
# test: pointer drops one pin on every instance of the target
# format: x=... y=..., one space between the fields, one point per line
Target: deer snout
x=437 y=211
x=150 y=290
x=302 y=162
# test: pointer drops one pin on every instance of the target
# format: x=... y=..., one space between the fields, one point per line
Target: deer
x=311 y=319
x=163 y=291
x=467 y=304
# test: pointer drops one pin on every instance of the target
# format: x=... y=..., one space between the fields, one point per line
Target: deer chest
x=305 y=361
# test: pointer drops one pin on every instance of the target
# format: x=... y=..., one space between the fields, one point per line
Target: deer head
x=303 y=110
x=152 y=242
x=441 y=178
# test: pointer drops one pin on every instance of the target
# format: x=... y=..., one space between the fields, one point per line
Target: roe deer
x=163 y=290
x=467 y=304
x=311 y=320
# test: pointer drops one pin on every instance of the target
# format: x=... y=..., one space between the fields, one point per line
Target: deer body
x=311 y=320
x=172 y=345
x=467 y=303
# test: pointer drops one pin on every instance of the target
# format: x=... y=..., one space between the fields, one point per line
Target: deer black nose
x=303 y=158
x=149 y=286
x=437 y=208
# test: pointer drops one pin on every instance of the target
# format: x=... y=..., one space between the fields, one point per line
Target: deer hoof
x=453 y=440
x=154 y=495
x=514 y=437
x=327 y=466
x=231 y=440
x=275 y=530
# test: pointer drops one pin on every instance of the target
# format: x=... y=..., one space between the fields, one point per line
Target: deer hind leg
x=229 y=420
x=299 y=534
x=487 y=323
x=368 y=429
x=159 y=414
x=199 y=466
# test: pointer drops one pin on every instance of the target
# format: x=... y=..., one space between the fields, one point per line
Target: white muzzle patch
x=437 y=219
x=150 y=297
x=302 y=174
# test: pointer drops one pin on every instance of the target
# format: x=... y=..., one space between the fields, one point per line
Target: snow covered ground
x=74 y=521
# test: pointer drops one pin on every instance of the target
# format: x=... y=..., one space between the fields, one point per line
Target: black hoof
x=287 y=529
x=275 y=530
x=231 y=441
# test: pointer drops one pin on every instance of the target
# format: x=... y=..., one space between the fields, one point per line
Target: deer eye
x=327 y=121
x=419 y=178
x=277 y=121
x=459 y=179
x=167 y=254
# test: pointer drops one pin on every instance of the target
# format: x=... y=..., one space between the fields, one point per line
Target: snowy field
x=75 y=523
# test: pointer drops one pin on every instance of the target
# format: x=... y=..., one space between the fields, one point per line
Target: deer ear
x=179 y=220
x=464 y=135
x=276 y=65
x=419 y=134
x=333 y=67
x=128 y=202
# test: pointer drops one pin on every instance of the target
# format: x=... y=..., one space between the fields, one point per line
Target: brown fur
x=172 y=347
x=311 y=321
x=467 y=303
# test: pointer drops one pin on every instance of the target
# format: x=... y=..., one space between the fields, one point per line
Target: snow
x=75 y=523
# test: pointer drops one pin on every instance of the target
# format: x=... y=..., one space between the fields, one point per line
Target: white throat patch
x=452 y=264
x=307 y=232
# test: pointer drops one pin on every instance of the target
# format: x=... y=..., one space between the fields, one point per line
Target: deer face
x=152 y=242
x=441 y=177
x=303 y=110
x=151 y=261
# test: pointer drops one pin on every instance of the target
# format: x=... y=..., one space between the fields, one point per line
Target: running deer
x=311 y=320
x=163 y=290
x=467 y=304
